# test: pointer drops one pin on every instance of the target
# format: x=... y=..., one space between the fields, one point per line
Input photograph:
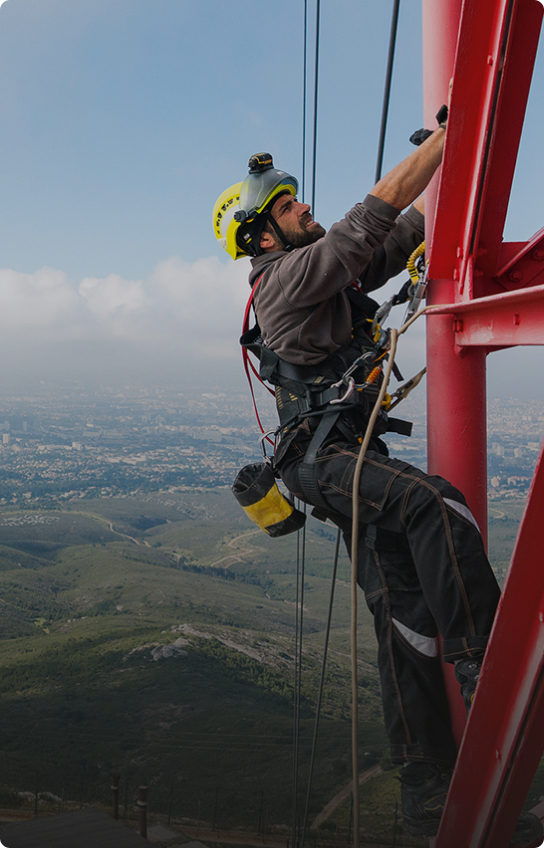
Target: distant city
x=76 y=444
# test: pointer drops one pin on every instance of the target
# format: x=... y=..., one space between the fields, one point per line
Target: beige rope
x=354 y=557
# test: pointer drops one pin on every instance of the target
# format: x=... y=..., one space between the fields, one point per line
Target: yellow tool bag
x=257 y=492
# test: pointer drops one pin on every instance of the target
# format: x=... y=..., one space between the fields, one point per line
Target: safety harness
x=339 y=392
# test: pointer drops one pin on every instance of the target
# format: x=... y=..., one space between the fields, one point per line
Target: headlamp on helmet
x=242 y=211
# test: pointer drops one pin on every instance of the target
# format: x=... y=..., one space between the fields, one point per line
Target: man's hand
x=403 y=184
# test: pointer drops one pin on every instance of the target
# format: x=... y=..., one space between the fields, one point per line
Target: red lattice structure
x=486 y=295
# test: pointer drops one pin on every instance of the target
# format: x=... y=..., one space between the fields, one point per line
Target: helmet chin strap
x=279 y=232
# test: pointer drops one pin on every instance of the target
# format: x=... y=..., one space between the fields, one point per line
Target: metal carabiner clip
x=349 y=390
x=265 y=437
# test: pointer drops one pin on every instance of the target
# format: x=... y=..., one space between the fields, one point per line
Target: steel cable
x=299 y=604
x=301 y=537
x=321 y=685
x=387 y=88
x=304 y=85
x=316 y=78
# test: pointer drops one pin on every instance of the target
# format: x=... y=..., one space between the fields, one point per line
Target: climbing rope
x=321 y=684
x=315 y=101
x=394 y=335
x=304 y=84
x=299 y=608
x=301 y=535
x=316 y=76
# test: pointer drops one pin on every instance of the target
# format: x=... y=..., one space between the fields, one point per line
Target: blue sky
x=121 y=122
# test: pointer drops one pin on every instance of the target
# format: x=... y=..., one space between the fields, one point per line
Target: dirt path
x=236 y=837
x=109 y=524
x=344 y=794
x=239 y=556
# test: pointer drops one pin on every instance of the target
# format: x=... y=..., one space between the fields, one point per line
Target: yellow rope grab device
x=417 y=268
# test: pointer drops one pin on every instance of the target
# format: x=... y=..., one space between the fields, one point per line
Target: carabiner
x=349 y=390
x=266 y=437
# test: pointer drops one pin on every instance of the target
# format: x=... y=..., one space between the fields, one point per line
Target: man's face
x=296 y=222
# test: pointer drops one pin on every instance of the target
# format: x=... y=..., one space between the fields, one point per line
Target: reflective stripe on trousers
x=422 y=566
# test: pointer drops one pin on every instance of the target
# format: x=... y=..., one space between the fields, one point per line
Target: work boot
x=423 y=790
x=467 y=673
x=528 y=829
x=424 y=787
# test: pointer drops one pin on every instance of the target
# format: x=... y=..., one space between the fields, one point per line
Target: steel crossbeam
x=502 y=320
x=485 y=295
x=521 y=264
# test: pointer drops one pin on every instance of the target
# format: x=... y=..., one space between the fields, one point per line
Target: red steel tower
x=486 y=295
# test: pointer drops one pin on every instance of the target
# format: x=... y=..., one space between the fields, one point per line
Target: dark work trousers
x=423 y=569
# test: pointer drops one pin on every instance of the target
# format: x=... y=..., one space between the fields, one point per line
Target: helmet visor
x=258 y=189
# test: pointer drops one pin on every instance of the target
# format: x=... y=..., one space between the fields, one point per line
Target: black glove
x=419 y=136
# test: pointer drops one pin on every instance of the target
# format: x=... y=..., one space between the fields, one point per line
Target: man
x=421 y=560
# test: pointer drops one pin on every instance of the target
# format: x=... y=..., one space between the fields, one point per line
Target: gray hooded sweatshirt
x=301 y=304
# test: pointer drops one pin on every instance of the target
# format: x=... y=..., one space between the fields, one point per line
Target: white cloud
x=184 y=320
x=41 y=300
x=194 y=309
x=205 y=302
x=112 y=297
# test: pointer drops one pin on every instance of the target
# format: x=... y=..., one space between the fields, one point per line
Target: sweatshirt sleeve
x=310 y=275
x=390 y=259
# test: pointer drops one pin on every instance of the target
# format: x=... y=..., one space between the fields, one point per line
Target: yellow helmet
x=224 y=225
x=241 y=211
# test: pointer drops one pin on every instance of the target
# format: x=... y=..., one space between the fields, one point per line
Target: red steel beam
x=503 y=320
x=495 y=57
x=519 y=50
x=440 y=31
x=495 y=43
x=504 y=737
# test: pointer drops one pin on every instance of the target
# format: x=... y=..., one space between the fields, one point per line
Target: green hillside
x=155 y=637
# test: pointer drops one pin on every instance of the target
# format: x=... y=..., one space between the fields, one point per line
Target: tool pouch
x=257 y=492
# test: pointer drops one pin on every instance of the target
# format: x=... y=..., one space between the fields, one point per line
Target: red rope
x=248 y=364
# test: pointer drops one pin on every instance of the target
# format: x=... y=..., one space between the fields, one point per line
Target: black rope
x=304 y=85
x=316 y=77
x=321 y=683
x=299 y=594
x=301 y=536
x=387 y=89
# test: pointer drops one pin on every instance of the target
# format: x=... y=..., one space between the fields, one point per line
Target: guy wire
x=387 y=88
x=304 y=85
x=299 y=604
x=321 y=683
x=316 y=76
x=301 y=535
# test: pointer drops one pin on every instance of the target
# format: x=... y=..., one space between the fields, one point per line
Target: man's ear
x=267 y=241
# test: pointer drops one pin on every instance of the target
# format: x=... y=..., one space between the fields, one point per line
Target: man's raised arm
x=401 y=186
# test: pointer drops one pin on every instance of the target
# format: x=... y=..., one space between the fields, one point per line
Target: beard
x=307 y=232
